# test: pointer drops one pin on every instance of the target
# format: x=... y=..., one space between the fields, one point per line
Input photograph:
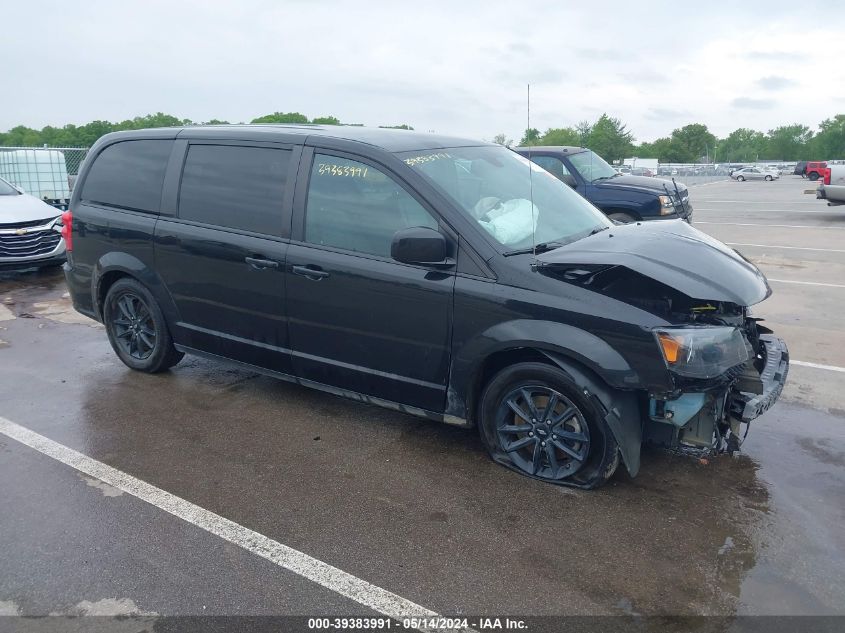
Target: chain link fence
x=689 y=174
x=692 y=174
x=48 y=173
x=701 y=173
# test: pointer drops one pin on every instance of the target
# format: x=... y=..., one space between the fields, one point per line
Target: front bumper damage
x=712 y=418
x=745 y=406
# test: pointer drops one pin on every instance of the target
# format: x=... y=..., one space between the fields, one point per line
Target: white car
x=754 y=173
x=29 y=230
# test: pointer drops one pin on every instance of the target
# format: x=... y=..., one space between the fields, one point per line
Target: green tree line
x=612 y=140
x=608 y=136
x=85 y=135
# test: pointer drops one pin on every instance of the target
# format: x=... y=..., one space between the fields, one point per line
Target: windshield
x=591 y=166
x=491 y=185
x=6 y=189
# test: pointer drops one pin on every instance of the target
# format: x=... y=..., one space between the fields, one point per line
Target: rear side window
x=235 y=187
x=129 y=175
x=552 y=165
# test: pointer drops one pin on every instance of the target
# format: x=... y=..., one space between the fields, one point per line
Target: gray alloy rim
x=134 y=329
x=543 y=432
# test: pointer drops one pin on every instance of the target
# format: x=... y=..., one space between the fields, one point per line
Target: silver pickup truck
x=833 y=187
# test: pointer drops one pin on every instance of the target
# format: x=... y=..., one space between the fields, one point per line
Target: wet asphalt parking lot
x=413 y=508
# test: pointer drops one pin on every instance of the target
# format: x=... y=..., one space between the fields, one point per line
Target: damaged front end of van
x=723 y=368
x=727 y=369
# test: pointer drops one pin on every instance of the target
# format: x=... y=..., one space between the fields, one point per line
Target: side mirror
x=419 y=245
x=569 y=179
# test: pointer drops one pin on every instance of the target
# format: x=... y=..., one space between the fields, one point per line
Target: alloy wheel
x=134 y=328
x=544 y=432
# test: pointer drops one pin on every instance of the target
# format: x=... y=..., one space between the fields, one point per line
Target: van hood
x=671 y=252
x=25 y=208
x=640 y=183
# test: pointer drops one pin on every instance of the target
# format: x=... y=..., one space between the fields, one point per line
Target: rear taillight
x=827 y=175
x=67 y=229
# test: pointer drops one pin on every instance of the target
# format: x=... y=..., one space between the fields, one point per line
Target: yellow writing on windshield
x=426 y=158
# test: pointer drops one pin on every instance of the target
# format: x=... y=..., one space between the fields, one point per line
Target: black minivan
x=442 y=277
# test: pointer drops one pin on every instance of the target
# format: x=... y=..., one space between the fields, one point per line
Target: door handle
x=258 y=263
x=315 y=274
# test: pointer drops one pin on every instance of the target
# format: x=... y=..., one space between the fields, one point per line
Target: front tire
x=536 y=420
x=813 y=176
x=769 y=178
x=741 y=178
x=136 y=328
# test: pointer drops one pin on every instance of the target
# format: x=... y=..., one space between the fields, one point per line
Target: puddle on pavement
x=678 y=539
x=62 y=310
x=39 y=294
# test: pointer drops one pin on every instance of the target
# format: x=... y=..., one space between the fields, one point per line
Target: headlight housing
x=702 y=352
x=667 y=205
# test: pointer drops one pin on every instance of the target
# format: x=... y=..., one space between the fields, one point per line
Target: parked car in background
x=754 y=173
x=29 y=230
x=800 y=168
x=814 y=169
x=442 y=277
x=642 y=171
x=832 y=188
x=623 y=197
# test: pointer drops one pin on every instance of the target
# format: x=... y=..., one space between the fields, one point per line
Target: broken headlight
x=702 y=352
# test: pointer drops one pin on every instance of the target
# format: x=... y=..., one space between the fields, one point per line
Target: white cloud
x=458 y=68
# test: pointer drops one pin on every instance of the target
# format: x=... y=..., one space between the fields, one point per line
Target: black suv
x=623 y=197
x=442 y=277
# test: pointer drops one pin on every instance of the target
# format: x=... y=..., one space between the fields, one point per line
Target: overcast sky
x=457 y=67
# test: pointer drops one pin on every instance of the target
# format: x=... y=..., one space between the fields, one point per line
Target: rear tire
x=137 y=329
x=536 y=420
x=769 y=178
x=813 y=176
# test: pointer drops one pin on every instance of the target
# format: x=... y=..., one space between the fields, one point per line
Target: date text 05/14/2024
x=431 y=623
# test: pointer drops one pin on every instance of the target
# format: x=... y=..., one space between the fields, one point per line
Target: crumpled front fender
x=621 y=408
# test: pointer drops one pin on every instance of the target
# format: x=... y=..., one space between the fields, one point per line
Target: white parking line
x=807 y=283
x=302 y=564
x=780 y=226
x=792 y=248
x=823 y=209
x=759 y=201
x=817 y=366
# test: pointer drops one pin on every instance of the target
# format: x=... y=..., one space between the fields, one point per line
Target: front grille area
x=25 y=225
x=29 y=244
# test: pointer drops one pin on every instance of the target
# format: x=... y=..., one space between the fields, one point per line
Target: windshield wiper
x=605 y=177
x=542 y=247
x=599 y=229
